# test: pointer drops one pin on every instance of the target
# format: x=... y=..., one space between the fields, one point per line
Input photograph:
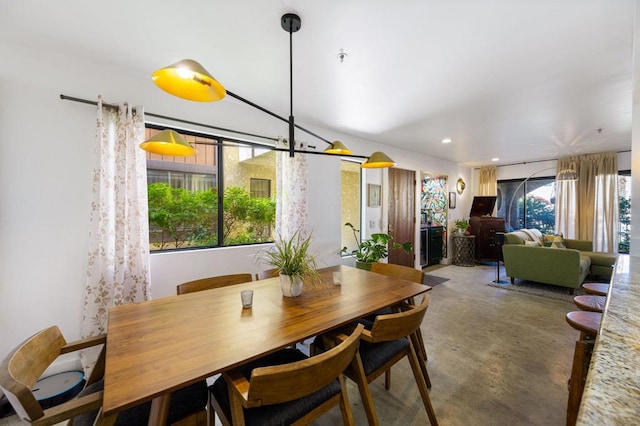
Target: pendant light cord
x=292 y=142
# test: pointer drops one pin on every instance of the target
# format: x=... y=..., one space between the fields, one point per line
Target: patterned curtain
x=291 y=190
x=118 y=266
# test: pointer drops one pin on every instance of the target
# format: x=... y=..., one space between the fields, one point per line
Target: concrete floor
x=495 y=358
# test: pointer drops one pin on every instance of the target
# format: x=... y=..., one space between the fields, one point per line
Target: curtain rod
x=166 y=117
x=94 y=103
x=539 y=161
x=86 y=101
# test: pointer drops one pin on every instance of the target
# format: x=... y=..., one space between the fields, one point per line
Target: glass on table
x=247 y=298
x=337 y=278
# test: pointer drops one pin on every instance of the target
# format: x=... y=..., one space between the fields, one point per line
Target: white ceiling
x=521 y=80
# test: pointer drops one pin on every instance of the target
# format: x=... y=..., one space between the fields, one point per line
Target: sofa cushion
x=585 y=264
x=600 y=258
x=532 y=243
x=522 y=235
x=514 y=238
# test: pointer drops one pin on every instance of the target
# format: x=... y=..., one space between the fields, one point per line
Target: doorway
x=402 y=198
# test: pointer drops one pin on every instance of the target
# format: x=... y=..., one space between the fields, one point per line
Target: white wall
x=46 y=158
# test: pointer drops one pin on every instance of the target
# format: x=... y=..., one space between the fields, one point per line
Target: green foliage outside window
x=180 y=218
x=625 y=224
x=540 y=214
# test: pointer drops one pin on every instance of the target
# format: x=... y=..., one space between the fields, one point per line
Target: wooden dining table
x=159 y=346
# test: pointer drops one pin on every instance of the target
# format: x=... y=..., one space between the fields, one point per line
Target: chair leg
x=365 y=393
x=387 y=379
x=345 y=407
x=422 y=350
x=421 y=361
x=417 y=374
x=211 y=413
x=159 y=411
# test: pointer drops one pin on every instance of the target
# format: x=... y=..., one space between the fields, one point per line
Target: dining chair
x=287 y=387
x=22 y=367
x=268 y=273
x=213 y=282
x=409 y=274
x=384 y=342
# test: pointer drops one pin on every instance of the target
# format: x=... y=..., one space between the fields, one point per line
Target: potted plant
x=461 y=226
x=373 y=249
x=294 y=261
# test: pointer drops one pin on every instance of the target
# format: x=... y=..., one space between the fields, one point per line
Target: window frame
x=219 y=143
x=261 y=180
x=522 y=188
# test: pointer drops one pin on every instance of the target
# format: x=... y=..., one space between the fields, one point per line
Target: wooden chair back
x=387 y=327
x=213 y=282
x=269 y=273
x=398 y=325
x=409 y=274
x=398 y=271
x=23 y=366
x=282 y=383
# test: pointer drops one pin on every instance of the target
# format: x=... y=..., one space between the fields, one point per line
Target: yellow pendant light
x=378 y=160
x=337 y=147
x=168 y=142
x=187 y=79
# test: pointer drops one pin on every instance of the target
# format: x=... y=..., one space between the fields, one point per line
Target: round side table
x=464 y=250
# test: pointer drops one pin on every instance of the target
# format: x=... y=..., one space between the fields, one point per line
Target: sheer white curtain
x=118 y=256
x=587 y=209
x=291 y=202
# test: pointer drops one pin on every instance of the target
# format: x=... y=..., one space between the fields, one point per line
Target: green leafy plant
x=375 y=248
x=462 y=224
x=292 y=257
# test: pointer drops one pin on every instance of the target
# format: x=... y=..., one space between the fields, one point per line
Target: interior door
x=402 y=190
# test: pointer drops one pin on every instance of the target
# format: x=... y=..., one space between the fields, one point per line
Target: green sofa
x=526 y=257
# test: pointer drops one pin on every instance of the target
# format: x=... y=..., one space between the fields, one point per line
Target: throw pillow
x=532 y=244
x=558 y=242
x=548 y=239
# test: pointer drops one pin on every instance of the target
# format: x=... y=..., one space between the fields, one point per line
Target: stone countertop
x=612 y=391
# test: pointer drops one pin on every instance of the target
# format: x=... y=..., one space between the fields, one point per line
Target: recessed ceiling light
x=446 y=140
x=495 y=159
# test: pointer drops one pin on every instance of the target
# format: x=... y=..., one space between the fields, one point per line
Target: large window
x=219 y=197
x=528 y=203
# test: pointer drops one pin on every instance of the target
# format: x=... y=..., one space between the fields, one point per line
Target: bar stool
x=590 y=302
x=587 y=323
x=599 y=289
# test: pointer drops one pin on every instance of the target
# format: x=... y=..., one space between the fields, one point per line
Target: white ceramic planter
x=291 y=286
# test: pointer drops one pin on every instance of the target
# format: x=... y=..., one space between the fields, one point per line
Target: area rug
x=538 y=289
x=432 y=280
